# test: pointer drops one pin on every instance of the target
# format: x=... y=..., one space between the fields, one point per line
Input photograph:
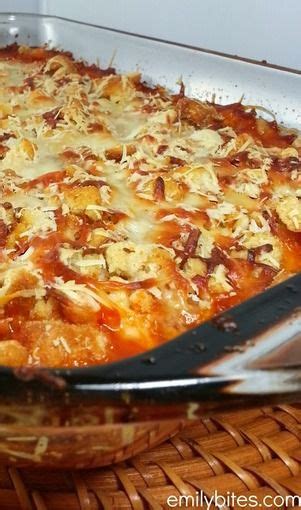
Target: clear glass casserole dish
x=93 y=416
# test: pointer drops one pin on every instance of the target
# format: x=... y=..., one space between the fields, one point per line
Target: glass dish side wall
x=205 y=74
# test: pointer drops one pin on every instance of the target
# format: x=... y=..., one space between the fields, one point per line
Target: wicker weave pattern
x=252 y=452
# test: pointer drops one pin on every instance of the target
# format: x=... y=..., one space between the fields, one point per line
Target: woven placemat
x=254 y=452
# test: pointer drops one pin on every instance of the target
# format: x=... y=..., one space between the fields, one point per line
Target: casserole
x=188 y=373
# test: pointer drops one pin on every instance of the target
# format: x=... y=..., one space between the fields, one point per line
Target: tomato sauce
x=243 y=120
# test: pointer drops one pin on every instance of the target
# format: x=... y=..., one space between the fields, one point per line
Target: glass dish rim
x=92 y=374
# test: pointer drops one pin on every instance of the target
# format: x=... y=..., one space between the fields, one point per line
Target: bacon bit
x=6 y=136
x=242 y=160
x=92 y=182
x=87 y=250
x=265 y=248
x=115 y=153
x=96 y=127
x=217 y=257
x=148 y=108
x=70 y=155
x=161 y=149
x=176 y=161
x=29 y=82
x=148 y=138
x=190 y=246
x=28 y=374
x=286 y=164
x=159 y=189
x=3 y=233
x=46 y=179
x=141 y=172
x=272 y=221
x=200 y=281
x=3 y=151
x=73 y=156
x=52 y=117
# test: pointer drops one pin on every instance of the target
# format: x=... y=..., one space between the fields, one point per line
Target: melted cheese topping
x=129 y=215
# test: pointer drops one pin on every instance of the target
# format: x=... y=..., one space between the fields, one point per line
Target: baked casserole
x=128 y=214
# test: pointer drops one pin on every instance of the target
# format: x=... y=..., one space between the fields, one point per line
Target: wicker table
x=254 y=452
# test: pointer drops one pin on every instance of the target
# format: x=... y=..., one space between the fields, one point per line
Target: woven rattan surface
x=254 y=452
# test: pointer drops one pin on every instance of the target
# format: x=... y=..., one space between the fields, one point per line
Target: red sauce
x=46 y=179
x=19 y=308
x=30 y=55
x=291 y=245
x=93 y=71
x=122 y=348
x=245 y=121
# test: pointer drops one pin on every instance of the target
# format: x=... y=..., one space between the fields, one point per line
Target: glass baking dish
x=212 y=367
